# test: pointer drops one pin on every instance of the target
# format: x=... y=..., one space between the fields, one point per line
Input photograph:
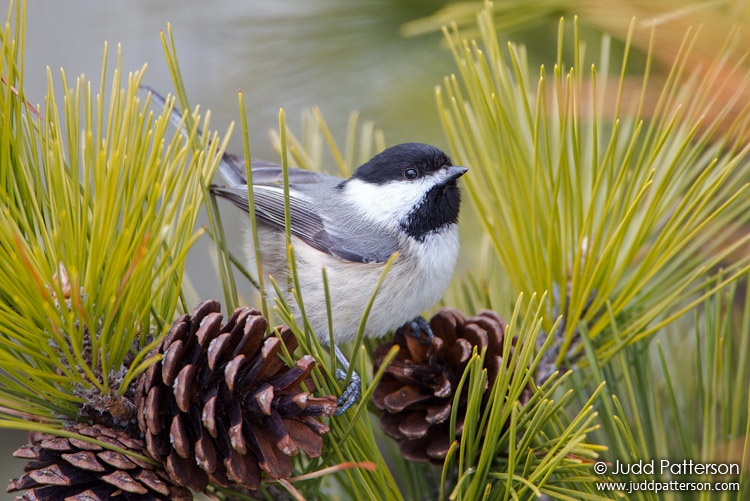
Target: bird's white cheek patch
x=385 y=203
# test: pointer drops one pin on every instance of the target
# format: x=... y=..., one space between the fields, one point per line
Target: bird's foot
x=351 y=393
x=419 y=329
x=353 y=389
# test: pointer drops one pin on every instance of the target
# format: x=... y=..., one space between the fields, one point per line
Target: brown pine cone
x=76 y=470
x=417 y=390
x=221 y=405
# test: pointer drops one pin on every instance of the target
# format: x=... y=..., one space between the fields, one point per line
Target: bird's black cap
x=392 y=163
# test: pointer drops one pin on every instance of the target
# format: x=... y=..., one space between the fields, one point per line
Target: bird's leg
x=419 y=329
x=352 y=391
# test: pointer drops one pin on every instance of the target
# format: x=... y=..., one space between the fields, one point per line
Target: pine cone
x=72 y=469
x=417 y=390
x=221 y=405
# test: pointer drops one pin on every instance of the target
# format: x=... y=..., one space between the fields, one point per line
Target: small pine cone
x=417 y=390
x=73 y=469
x=221 y=405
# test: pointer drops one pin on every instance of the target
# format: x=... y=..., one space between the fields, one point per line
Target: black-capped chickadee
x=405 y=199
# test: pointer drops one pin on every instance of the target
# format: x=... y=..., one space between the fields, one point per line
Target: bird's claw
x=420 y=329
x=351 y=393
x=353 y=389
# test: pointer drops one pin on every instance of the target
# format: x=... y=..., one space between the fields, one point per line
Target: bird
x=405 y=200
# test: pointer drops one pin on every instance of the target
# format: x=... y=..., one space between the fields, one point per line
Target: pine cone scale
x=84 y=460
x=84 y=444
x=217 y=350
x=21 y=483
x=280 y=434
x=208 y=330
x=459 y=353
x=180 y=439
x=318 y=406
x=53 y=474
x=269 y=354
x=205 y=455
x=170 y=365
x=312 y=423
x=122 y=480
x=183 y=386
x=295 y=375
x=116 y=460
x=275 y=463
x=151 y=410
x=56 y=444
x=158 y=446
x=153 y=482
x=252 y=335
x=208 y=416
x=243 y=469
x=438 y=413
x=261 y=400
x=28 y=451
x=305 y=439
x=178 y=330
x=404 y=397
x=414 y=426
x=236 y=435
x=186 y=472
x=233 y=369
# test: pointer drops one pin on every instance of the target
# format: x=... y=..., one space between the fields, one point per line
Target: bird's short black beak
x=454 y=172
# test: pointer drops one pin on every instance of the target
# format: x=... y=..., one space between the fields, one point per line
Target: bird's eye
x=411 y=173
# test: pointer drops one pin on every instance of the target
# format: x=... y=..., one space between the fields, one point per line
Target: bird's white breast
x=414 y=284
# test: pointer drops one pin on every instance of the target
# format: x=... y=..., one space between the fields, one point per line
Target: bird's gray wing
x=347 y=242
